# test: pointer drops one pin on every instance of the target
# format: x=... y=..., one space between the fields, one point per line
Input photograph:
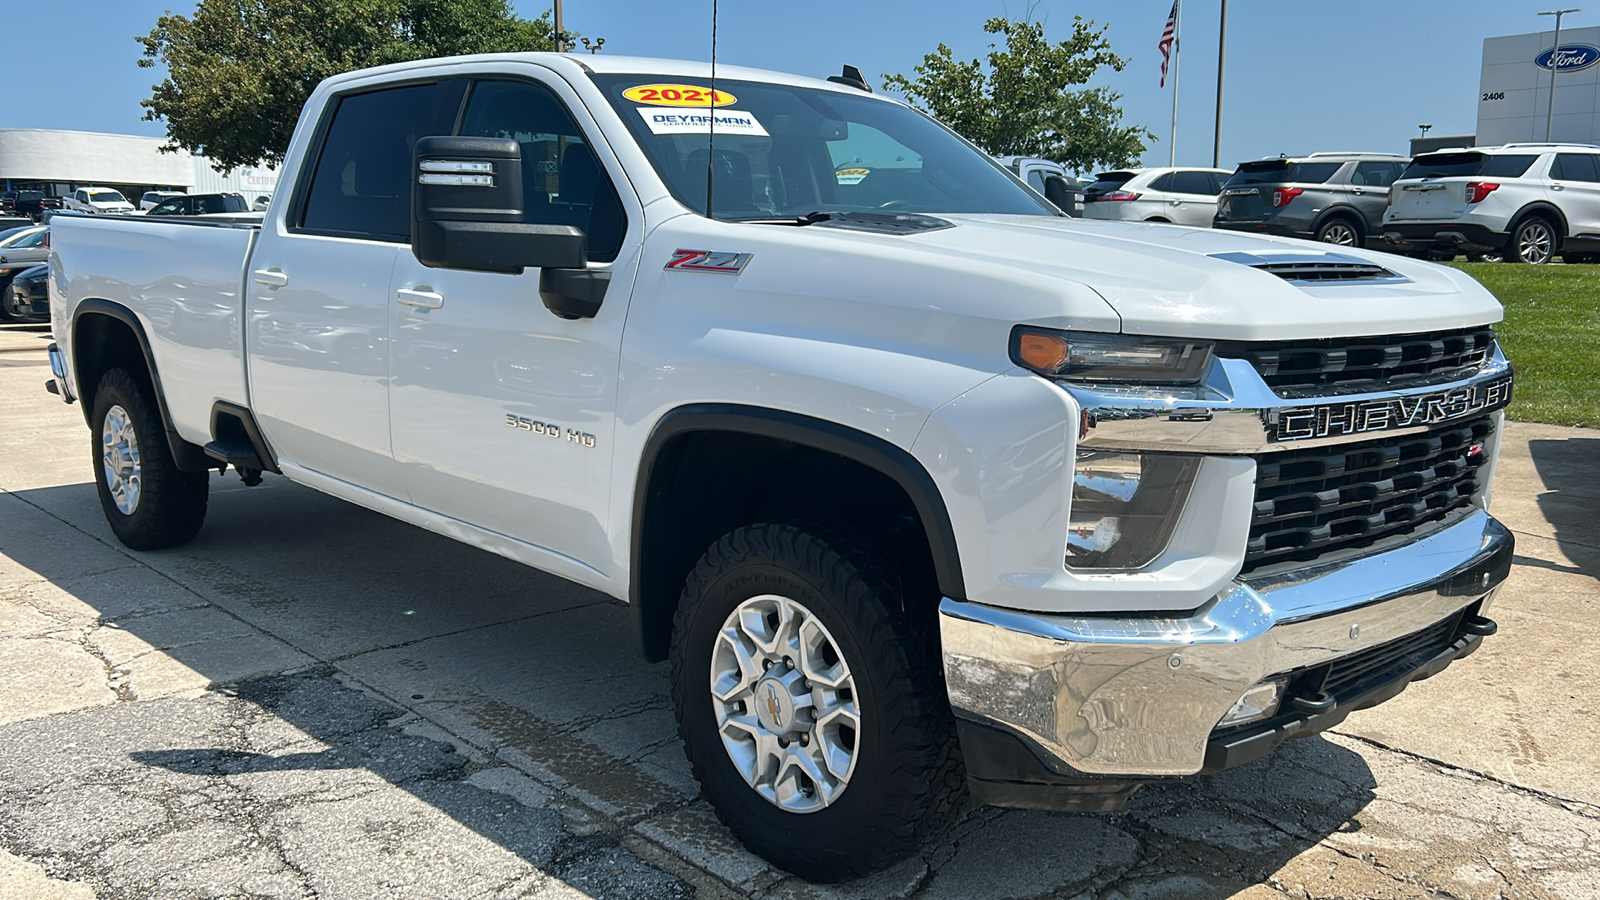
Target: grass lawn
x=1552 y=335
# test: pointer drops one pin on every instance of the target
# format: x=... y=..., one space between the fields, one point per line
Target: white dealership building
x=58 y=162
x=1514 y=88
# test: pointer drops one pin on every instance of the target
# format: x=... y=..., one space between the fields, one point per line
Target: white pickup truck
x=921 y=485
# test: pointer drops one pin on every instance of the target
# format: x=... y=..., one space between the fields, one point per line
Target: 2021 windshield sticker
x=678 y=95
x=708 y=261
x=694 y=121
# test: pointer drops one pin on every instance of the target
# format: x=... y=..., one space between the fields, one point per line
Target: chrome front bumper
x=58 y=383
x=1104 y=698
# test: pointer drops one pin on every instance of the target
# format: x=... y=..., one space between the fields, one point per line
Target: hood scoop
x=1315 y=268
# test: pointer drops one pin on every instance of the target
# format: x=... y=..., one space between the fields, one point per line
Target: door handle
x=423 y=299
x=1557 y=187
x=273 y=277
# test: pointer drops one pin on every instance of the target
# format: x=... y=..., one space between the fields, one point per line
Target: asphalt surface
x=311 y=700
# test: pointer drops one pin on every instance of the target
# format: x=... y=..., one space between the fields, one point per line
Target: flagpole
x=1222 y=47
x=1177 y=29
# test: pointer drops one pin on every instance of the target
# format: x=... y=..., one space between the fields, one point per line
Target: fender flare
x=188 y=457
x=1343 y=211
x=841 y=440
x=1550 y=210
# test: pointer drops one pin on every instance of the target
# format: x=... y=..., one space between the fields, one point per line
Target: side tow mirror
x=1061 y=192
x=467 y=213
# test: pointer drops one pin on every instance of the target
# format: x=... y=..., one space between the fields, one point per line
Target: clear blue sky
x=1301 y=75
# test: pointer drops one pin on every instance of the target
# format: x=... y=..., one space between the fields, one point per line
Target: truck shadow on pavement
x=1570 y=506
x=313 y=696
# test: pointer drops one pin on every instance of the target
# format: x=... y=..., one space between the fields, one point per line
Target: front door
x=501 y=411
x=318 y=290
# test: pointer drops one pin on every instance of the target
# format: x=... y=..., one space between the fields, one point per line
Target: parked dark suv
x=200 y=205
x=1336 y=198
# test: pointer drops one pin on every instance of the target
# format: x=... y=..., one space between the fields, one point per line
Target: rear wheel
x=148 y=501
x=810 y=700
x=1339 y=231
x=1534 y=241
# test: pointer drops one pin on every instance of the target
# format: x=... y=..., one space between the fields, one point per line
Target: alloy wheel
x=120 y=458
x=1535 y=241
x=784 y=699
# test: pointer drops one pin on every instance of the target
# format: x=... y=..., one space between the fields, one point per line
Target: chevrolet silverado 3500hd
x=920 y=485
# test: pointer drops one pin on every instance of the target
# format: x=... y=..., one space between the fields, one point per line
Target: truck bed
x=182 y=278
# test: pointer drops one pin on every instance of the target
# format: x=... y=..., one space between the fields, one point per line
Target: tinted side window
x=362 y=184
x=1036 y=179
x=1164 y=183
x=562 y=181
x=1217 y=181
x=1192 y=183
x=169 y=208
x=1376 y=174
x=1574 y=167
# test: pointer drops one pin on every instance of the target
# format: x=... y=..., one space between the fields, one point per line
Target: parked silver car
x=1176 y=195
x=20 y=248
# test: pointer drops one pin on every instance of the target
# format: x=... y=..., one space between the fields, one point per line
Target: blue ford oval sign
x=1568 y=57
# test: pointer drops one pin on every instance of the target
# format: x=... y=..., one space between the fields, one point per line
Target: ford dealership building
x=1514 y=89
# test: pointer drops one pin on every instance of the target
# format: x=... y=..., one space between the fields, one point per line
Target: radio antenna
x=711 y=127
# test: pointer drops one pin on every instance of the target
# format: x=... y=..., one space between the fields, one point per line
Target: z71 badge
x=708 y=261
x=1306 y=422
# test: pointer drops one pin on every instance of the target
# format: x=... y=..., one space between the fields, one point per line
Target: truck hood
x=1204 y=283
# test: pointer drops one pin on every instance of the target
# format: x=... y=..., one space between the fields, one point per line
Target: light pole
x=1555 y=57
x=561 y=36
x=1425 y=129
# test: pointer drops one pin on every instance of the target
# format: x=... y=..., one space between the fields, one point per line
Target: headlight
x=1124 y=507
x=1083 y=356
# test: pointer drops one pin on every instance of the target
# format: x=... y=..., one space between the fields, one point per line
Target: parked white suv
x=98 y=200
x=1520 y=202
x=1179 y=196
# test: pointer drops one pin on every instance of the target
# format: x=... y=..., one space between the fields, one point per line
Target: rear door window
x=1162 y=183
x=1376 y=174
x=1193 y=183
x=361 y=186
x=1574 y=167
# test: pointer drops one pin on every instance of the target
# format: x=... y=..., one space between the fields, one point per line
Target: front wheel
x=149 y=502
x=810 y=701
x=1534 y=242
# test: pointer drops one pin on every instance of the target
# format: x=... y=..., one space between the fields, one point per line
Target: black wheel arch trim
x=1349 y=213
x=1550 y=210
x=252 y=432
x=188 y=457
x=841 y=440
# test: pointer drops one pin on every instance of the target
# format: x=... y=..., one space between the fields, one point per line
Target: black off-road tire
x=171 y=505
x=908 y=779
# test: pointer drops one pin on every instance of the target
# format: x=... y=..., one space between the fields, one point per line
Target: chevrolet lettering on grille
x=1334 y=419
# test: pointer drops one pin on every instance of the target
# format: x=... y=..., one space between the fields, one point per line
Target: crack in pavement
x=1588 y=809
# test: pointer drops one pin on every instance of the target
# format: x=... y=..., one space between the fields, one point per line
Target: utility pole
x=1555 y=63
x=1222 y=46
x=561 y=36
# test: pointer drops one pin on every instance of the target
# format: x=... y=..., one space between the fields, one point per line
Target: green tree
x=1022 y=102
x=239 y=71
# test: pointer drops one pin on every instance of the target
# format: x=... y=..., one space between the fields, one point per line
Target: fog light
x=1260 y=702
x=1125 y=506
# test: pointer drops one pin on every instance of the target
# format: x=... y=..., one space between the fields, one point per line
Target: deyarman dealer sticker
x=698 y=121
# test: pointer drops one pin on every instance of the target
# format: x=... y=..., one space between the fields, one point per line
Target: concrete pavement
x=313 y=700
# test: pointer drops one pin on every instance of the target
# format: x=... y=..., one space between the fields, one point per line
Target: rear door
x=1193 y=199
x=503 y=412
x=1369 y=189
x=318 y=293
x=1575 y=189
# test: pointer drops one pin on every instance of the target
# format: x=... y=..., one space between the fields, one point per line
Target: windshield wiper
x=810 y=218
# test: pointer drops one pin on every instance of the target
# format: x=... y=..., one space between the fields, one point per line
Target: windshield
x=26 y=236
x=106 y=197
x=783 y=151
x=1470 y=165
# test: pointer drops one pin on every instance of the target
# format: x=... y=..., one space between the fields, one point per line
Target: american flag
x=1169 y=36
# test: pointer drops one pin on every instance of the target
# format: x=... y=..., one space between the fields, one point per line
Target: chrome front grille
x=1386 y=362
x=1316 y=501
